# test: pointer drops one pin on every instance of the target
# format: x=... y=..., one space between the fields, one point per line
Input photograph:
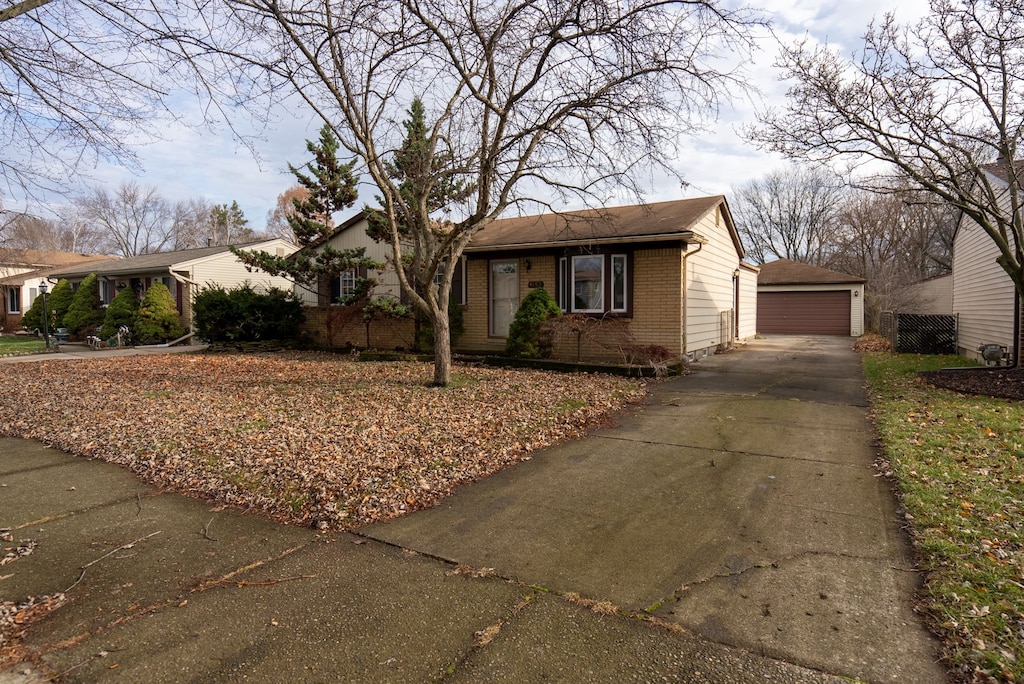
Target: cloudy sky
x=211 y=164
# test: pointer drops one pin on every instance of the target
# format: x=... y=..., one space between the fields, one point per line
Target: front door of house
x=504 y=296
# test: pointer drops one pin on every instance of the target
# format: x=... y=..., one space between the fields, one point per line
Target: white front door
x=504 y=296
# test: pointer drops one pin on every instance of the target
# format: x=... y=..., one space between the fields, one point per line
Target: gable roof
x=21 y=278
x=673 y=220
x=42 y=258
x=786 y=272
x=145 y=263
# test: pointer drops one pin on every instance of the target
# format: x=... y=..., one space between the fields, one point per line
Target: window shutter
x=459 y=282
x=335 y=290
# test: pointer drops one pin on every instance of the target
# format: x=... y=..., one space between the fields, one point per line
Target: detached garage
x=800 y=299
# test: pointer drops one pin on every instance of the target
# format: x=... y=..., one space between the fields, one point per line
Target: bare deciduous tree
x=940 y=102
x=66 y=233
x=892 y=240
x=790 y=214
x=82 y=80
x=135 y=220
x=523 y=101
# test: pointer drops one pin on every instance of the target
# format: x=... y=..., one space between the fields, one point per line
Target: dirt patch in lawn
x=1005 y=383
x=306 y=438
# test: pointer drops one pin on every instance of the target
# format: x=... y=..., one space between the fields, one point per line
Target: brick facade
x=336 y=326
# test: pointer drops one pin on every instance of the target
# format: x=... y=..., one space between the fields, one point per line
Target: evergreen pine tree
x=86 y=310
x=158 y=316
x=123 y=310
x=331 y=186
x=58 y=302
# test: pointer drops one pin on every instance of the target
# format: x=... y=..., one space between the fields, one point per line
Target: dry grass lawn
x=306 y=438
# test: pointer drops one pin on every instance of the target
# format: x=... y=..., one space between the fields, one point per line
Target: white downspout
x=687 y=254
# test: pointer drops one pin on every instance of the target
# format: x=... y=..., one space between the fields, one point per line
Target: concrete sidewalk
x=70 y=352
x=740 y=507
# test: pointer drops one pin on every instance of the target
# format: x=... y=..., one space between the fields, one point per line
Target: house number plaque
x=536 y=283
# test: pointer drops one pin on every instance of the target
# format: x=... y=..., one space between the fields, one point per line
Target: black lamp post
x=46 y=316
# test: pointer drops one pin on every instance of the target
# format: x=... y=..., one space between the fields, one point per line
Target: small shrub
x=123 y=310
x=158 y=316
x=85 y=313
x=524 y=335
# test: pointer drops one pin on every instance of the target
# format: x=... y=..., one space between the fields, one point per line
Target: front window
x=588 y=284
x=14 y=300
x=347 y=283
x=594 y=283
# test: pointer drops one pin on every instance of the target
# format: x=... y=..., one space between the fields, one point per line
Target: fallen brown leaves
x=306 y=438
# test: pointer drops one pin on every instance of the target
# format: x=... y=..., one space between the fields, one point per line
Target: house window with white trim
x=594 y=284
x=13 y=299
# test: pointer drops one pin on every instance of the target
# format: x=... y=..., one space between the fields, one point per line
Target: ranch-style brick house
x=668 y=276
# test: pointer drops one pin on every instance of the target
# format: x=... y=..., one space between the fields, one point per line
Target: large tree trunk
x=442 y=348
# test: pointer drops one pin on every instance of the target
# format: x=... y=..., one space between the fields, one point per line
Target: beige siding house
x=933 y=295
x=352 y=235
x=184 y=273
x=984 y=298
x=668 y=275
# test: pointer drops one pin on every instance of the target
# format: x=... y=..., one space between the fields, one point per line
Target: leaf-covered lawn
x=959 y=462
x=310 y=439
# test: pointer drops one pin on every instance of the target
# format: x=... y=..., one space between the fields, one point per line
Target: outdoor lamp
x=46 y=327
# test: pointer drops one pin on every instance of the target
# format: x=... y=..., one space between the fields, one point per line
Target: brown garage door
x=804 y=313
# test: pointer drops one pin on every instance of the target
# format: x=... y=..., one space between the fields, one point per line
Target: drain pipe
x=700 y=245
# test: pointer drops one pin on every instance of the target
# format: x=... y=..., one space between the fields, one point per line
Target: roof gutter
x=687 y=236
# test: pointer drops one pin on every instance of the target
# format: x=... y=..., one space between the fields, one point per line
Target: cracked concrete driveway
x=741 y=503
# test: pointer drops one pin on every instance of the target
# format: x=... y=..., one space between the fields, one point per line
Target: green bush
x=524 y=338
x=85 y=313
x=243 y=314
x=123 y=310
x=33 y=318
x=158 y=316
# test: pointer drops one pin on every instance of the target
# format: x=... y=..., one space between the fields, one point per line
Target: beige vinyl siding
x=932 y=296
x=225 y=270
x=748 y=304
x=709 y=286
x=354 y=238
x=983 y=295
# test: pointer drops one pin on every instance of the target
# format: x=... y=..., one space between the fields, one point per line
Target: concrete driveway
x=740 y=506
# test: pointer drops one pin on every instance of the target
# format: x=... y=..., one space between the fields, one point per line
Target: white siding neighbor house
x=984 y=298
x=184 y=273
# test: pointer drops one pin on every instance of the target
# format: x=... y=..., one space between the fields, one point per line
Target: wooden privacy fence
x=919 y=333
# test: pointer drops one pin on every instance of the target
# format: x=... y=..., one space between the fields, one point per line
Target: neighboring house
x=668 y=275
x=184 y=273
x=22 y=271
x=351 y=235
x=799 y=299
x=933 y=295
x=984 y=298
